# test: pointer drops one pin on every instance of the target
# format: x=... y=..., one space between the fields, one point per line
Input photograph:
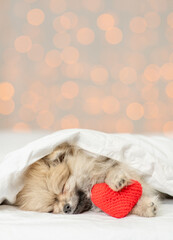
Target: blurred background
x=96 y=64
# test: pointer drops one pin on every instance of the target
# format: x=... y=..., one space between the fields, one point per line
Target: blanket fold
x=152 y=156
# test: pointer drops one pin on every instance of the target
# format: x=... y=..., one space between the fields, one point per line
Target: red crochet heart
x=116 y=204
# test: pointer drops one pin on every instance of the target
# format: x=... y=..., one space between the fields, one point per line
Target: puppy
x=62 y=181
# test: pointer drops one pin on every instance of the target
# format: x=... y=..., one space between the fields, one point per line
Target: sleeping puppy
x=62 y=181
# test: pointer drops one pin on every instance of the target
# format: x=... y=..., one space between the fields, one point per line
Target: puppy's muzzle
x=67 y=208
x=84 y=203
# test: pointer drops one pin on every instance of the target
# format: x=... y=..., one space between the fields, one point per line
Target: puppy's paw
x=151 y=210
x=117 y=180
x=146 y=207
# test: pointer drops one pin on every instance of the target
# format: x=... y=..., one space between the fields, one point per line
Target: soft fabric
x=20 y=225
x=151 y=156
x=116 y=204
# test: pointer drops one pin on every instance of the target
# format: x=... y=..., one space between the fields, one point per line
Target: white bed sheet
x=20 y=225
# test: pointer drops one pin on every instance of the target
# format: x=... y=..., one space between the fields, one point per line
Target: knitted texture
x=116 y=204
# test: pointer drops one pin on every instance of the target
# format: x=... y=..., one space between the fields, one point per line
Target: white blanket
x=152 y=156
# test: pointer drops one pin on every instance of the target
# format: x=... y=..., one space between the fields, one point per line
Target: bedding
x=152 y=155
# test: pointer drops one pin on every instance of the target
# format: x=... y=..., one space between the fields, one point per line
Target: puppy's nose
x=67 y=208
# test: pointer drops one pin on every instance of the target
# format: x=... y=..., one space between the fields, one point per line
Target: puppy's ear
x=60 y=154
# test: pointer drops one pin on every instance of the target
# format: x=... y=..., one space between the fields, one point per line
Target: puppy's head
x=50 y=186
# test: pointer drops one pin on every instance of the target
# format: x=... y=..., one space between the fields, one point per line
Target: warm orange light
x=114 y=35
x=70 y=55
x=138 y=25
x=85 y=36
x=7 y=107
x=170 y=19
x=150 y=93
x=30 y=1
x=135 y=111
x=92 y=105
x=169 y=89
x=124 y=125
x=30 y=100
x=69 y=90
x=128 y=75
x=21 y=127
x=99 y=75
x=57 y=25
x=151 y=110
x=62 y=40
x=110 y=105
x=74 y=71
x=35 y=17
x=158 y=6
x=6 y=91
x=23 y=44
x=167 y=71
x=69 y=20
x=45 y=119
x=168 y=127
x=69 y=121
x=57 y=6
x=93 y=6
x=26 y=114
x=53 y=58
x=152 y=73
x=136 y=60
x=152 y=19
x=120 y=90
x=105 y=21
x=36 y=53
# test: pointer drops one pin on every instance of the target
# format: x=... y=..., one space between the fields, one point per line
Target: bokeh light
x=105 y=21
x=152 y=19
x=61 y=40
x=169 y=90
x=138 y=25
x=69 y=20
x=150 y=93
x=135 y=111
x=69 y=90
x=6 y=91
x=170 y=19
x=58 y=6
x=92 y=105
x=110 y=105
x=167 y=71
x=53 y=58
x=152 y=73
x=21 y=127
x=128 y=75
x=36 y=53
x=151 y=110
x=26 y=114
x=35 y=17
x=99 y=75
x=114 y=35
x=168 y=127
x=124 y=125
x=45 y=119
x=70 y=55
x=23 y=44
x=7 y=107
x=69 y=121
x=93 y=6
x=57 y=25
x=73 y=71
x=89 y=64
x=85 y=36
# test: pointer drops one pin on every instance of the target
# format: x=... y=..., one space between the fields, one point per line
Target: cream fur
x=64 y=179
